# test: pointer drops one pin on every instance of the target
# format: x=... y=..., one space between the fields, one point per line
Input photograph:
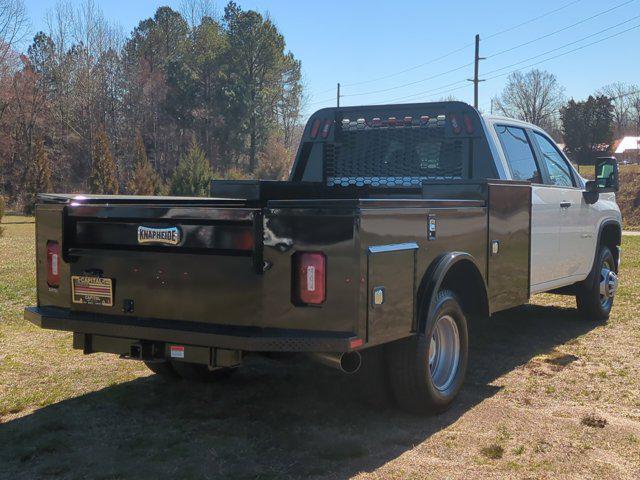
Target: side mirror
x=606 y=179
x=607 y=175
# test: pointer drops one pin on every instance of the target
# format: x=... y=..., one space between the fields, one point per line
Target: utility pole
x=338 y=96
x=475 y=79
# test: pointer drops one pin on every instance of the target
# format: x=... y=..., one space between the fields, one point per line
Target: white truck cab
x=565 y=223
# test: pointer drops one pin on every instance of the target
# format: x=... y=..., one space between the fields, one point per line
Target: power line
x=408 y=84
x=510 y=29
x=452 y=52
x=584 y=20
x=530 y=58
x=566 y=53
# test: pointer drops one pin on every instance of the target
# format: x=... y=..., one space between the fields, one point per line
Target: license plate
x=92 y=290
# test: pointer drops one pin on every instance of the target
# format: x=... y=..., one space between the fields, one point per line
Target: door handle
x=565 y=204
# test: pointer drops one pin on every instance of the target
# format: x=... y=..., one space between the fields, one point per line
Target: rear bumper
x=193 y=333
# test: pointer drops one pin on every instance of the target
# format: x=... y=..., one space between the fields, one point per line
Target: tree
x=192 y=177
x=144 y=180
x=104 y=175
x=274 y=162
x=534 y=97
x=587 y=127
x=634 y=99
x=258 y=71
x=13 y=26
x=38 y=176
x=620 y=95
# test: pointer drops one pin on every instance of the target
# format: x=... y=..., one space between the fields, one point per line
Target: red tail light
x=314 y=128
x=468 y=123
x=455 y=125
x=326 y=128
x=53 y=264
x=309 y=278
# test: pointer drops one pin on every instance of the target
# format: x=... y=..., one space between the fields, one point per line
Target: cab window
x=557 y=167
x=519 y=153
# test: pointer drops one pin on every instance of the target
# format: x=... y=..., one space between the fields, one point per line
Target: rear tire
x=163 y=369
x=595 y=295
x=196 y=372
x=426 y=371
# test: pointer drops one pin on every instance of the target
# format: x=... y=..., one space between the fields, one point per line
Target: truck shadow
x=268 y=421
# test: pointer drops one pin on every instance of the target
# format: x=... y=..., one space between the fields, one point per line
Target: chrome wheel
x=444 y=352
x=608 y=284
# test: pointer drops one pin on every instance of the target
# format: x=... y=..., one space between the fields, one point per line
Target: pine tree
x=104 y=177
x=193 y=174
x=144 y=180
x=38 y=176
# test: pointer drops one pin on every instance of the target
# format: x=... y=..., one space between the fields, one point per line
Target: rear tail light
x=455 y=125
x=326 y=128
x=309 y=278
x=468 y=123
x=315 y=127
x=53 y=264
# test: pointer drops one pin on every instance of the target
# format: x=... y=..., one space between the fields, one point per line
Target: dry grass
x=536 y=373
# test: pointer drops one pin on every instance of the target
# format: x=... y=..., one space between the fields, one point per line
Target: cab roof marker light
x=326 y=128
x=468 y=123
x=455 y=125
x=314 y=128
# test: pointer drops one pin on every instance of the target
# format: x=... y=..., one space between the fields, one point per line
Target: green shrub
x=192 y=177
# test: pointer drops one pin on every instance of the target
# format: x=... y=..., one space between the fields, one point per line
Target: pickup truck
x=398 y=227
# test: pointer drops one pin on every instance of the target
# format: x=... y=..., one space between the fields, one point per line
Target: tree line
x=588 y=128
x=186 y=96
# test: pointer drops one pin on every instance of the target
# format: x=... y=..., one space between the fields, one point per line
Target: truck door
x=545 y=204
x=576 y=230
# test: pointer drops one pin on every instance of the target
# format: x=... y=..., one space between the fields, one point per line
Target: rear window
x=395 y=157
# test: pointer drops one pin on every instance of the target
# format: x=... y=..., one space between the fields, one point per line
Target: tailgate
x=193 y=263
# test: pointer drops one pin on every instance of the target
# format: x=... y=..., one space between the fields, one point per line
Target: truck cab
x=565 y=224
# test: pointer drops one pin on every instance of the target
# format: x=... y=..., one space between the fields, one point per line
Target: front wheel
x=427 y=370
x=595 y=295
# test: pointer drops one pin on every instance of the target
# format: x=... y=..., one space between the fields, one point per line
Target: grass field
x=548 y=395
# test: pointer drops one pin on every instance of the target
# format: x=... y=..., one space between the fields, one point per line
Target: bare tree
x=534 y=97
x=635 y=112
x=13 y=27
x=621 y=98
x=194 y=11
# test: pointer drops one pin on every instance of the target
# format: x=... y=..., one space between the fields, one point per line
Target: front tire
x=595 y=295
x=426 y=371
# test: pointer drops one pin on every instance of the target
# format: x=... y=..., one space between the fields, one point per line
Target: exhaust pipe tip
x=350 y=362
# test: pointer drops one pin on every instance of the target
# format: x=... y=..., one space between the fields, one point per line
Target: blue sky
x=388 y=48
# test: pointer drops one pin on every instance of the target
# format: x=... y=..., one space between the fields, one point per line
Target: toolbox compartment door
x=391 y=291
x=509 y=244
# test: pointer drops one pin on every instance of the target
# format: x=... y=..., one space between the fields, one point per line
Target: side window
x=519 y=153
x=559 y=171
